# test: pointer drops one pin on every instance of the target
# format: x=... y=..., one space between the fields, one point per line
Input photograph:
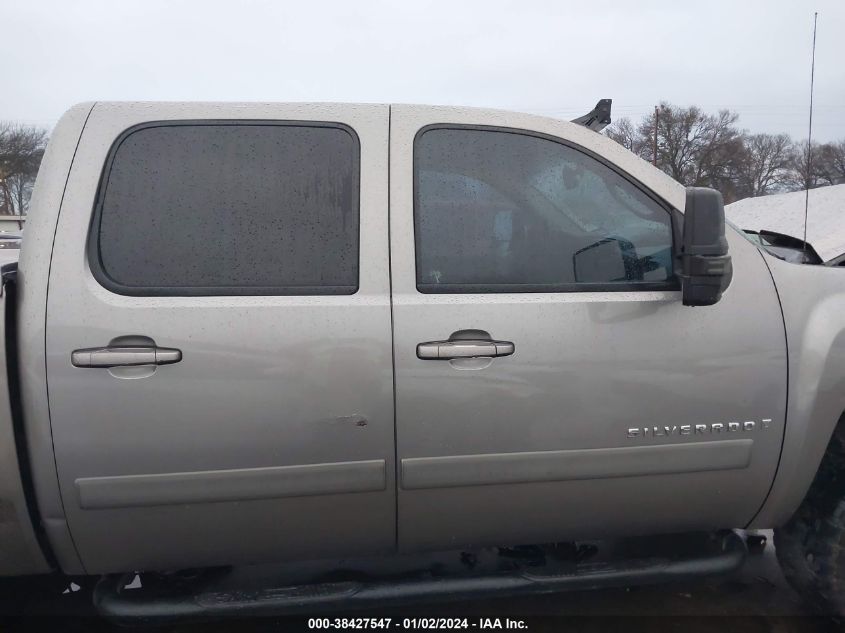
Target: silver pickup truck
x=339 y=340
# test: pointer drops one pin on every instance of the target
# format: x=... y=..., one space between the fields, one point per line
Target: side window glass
x=482 y=215
x=206 y=208
x=498 y=211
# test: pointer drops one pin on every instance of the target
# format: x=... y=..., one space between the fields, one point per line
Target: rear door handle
x=447 y=350
x=105 y=357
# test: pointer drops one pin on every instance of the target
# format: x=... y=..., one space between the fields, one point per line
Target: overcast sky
x=552 y=58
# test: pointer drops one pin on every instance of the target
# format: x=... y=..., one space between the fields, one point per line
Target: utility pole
x=654 y=144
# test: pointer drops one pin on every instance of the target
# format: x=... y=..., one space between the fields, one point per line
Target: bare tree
x=20 y=188
x=700 y=149
x=21 y=150
x=804 y=171
x=764 y=164
x=626 y=134
x=693 y=147
x=830 y=163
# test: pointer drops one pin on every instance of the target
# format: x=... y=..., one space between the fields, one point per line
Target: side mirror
x=706 y=269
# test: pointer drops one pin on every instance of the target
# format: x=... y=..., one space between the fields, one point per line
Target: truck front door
x=218 y=355
x=549 y=382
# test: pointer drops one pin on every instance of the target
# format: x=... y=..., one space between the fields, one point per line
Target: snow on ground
x=784 y=213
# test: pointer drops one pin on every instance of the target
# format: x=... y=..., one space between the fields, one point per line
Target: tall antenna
x=810 y=131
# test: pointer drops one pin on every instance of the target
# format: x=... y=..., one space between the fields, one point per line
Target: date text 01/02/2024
x=416 y=623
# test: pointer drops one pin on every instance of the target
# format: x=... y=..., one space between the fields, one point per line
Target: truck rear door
x=218 y=346
x=549 y=382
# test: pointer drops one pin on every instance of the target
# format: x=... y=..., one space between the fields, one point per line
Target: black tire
x=792 y=553
x=811 y=546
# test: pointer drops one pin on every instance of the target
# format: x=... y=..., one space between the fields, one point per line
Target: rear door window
x=229 y=208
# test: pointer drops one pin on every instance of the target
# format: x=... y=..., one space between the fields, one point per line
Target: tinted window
x=230 y=209
x=500 y=211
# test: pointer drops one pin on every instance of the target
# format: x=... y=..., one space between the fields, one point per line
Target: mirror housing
x=706 y=269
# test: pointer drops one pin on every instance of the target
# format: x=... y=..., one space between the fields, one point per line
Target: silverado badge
x=715 y=428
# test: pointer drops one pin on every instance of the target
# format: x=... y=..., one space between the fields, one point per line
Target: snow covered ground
x=784 y=213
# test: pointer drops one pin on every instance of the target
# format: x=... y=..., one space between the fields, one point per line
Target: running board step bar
x=385 y=583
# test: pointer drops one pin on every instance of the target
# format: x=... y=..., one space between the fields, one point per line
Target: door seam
x=46 y=316
x=786 y=392
x=392 y=337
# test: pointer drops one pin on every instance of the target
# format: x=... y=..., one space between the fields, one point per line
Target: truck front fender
x=813 y=303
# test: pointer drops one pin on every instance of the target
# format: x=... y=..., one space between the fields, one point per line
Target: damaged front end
x=785 y=247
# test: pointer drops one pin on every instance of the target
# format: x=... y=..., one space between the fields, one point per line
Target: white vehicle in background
x=10 y=245
x=777 y=222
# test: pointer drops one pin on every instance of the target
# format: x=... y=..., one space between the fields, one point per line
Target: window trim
x=672 y=284
x=92 y=248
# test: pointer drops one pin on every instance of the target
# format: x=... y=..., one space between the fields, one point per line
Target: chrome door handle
x=105 y=357
x=447 y=350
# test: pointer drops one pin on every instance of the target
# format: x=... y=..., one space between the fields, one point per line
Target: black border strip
x=425 y=288
x=112 y=285
x=13 y=384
